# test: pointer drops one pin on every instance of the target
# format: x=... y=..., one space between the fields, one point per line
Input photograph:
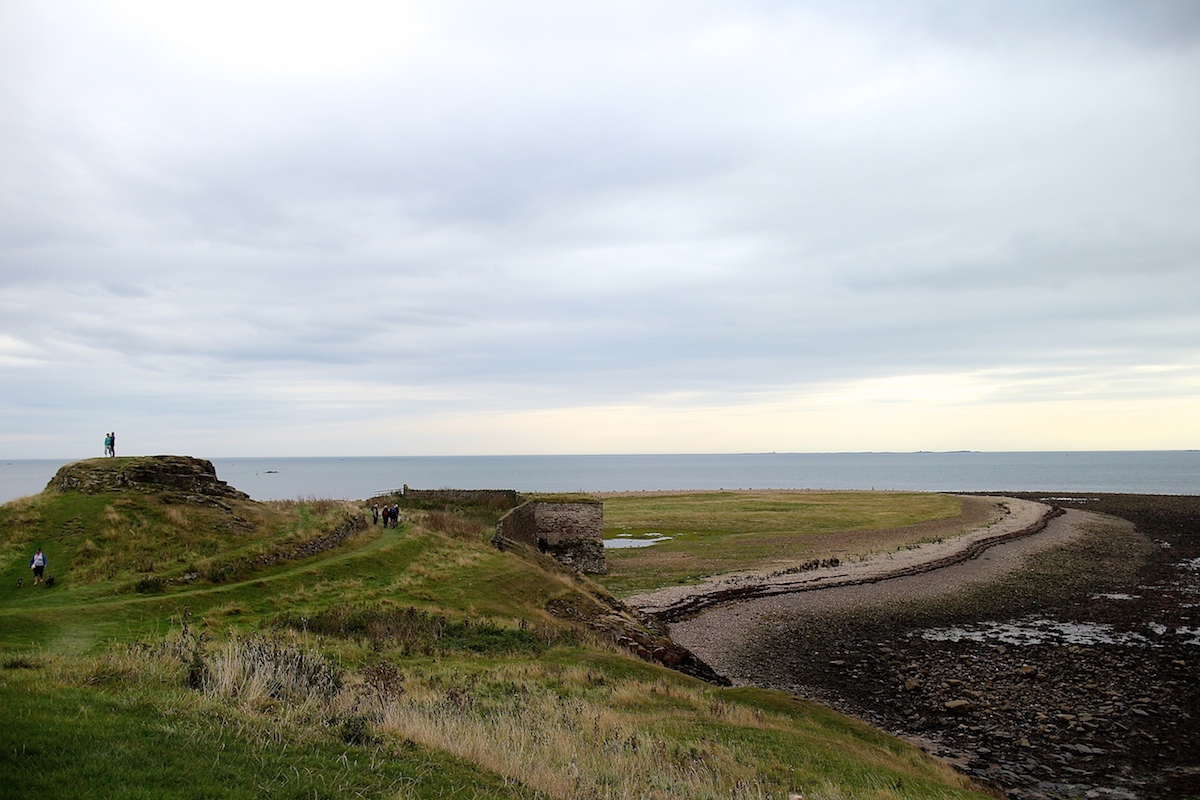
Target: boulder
x=959 y=706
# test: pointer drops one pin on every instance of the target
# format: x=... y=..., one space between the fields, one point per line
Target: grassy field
x=708 y=533
x=188 y=651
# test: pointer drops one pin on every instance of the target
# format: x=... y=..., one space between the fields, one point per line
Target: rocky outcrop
x=194 y=477
x=640 y=634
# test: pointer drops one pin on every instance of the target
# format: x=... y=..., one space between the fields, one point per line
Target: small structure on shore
x=572 y=532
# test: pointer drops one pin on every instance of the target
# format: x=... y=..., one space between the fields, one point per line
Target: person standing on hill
x=108 y=444
x=112 y=444
x=38 y=565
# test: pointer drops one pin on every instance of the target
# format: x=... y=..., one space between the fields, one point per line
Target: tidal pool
x=1037 y=630
x=624 y=540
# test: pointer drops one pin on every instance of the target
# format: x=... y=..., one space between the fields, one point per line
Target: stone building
x=571 y=532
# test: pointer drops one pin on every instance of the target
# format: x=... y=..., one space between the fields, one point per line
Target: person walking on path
x=375 y=514
x=38 y=565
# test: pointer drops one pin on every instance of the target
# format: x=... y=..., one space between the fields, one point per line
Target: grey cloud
x=602 y=210
x=1152 y=23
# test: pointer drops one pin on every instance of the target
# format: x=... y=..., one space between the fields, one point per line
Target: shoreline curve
x=1020 y=518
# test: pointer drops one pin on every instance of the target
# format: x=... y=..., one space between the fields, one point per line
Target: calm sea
x=1142 y=472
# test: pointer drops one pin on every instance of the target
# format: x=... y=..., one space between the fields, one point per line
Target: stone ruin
x=502 y=499
x=570 y=532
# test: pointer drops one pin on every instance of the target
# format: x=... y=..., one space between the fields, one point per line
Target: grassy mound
x=210 y=649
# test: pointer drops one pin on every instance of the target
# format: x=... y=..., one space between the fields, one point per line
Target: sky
x=387 y=228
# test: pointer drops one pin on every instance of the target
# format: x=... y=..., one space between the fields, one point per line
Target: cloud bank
x=381 y=228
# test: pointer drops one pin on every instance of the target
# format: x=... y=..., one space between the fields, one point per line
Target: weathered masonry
x=571 y=532
x=492 y=498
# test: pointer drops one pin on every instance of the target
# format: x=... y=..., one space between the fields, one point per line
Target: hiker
x=108 y=444
x=375 y=514
x=112 y=444
x=38 y=565
x=396 y=516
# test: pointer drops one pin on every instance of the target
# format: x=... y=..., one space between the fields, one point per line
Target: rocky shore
x=1060 y=666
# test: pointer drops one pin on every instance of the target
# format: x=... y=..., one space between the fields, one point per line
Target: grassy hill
x=196 y=643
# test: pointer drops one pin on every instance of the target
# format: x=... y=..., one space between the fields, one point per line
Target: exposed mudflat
x=1061 y=664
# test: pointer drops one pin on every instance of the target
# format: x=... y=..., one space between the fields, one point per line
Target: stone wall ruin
x=570 y=532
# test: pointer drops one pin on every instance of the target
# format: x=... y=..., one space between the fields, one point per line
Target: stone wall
x=572 y=533
x=492 y=498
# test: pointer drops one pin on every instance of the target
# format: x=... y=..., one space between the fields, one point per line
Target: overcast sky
x=359 y=228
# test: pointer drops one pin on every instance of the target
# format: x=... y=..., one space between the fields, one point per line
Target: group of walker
x=110 y=444
x=390 y=514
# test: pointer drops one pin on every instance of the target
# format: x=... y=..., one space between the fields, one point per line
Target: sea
x=1066 y=473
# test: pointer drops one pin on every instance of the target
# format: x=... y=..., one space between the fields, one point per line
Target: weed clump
x=454 y=525
x=261 y=668
x=151 y=584
x=420 y=632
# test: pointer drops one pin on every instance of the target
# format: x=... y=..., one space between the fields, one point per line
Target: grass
x=118 y=540
x=410 y=663
x=124 y=735
x=277 y=716
x=716 y=532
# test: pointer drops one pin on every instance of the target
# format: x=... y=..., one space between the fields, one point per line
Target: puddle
x=1037 y=631
x=1192 y=632
x=625 y=540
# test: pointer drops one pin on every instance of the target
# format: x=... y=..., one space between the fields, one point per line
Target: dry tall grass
x=567 y=745
x=522 y=721
x=563 y=732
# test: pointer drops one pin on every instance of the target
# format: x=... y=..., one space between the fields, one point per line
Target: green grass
x=123 y=740
x=409 y=663
x=711 y=533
